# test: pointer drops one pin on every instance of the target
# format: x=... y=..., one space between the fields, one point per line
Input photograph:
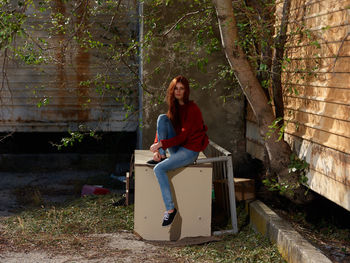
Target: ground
x=116 y=247
x=44 y=219
x=40 y=229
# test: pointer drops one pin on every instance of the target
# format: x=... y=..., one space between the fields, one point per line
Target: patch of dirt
x=116 y=247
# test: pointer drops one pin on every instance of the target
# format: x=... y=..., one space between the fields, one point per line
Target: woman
x=181 y=131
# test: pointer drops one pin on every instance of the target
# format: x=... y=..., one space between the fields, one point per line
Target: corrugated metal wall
x=317 y=95
x=49 y=97
x=254 y=142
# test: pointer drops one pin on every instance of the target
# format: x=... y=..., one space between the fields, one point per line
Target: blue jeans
x=179 y=157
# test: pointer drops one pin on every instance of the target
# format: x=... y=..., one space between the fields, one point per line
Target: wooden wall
x=316 y=83
x=49 y=96
x=318 y=110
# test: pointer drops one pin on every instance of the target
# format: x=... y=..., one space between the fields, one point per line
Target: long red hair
x=173 y=110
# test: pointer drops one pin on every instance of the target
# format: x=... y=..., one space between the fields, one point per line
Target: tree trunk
x=280 y=42
x=278 y=151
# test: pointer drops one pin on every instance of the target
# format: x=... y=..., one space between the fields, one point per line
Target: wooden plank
x=317 y=7
x=327 y=139
x=307 y=50
x=329 y=16
x=324 y=160
x=244 y=189
x=334 y=95
x=340 y=80
x=336 y=33
x=330 y=188
x=322 y=85
x=334 y=126
x=342 y=64
x=332 y=110
x=310 y=72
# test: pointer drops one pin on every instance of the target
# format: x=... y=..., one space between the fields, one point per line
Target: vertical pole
x=231 y=188
x=140 y=38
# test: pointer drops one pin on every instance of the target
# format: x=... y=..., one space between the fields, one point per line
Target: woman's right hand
x=156 y=156
x=155 y=146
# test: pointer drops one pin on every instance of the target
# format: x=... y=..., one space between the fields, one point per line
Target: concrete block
x=292 y=246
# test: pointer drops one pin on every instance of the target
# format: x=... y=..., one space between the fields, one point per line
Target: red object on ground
x=94 y=190
x=101 y=191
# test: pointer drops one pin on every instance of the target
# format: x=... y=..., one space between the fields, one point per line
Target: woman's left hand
x=154 y=147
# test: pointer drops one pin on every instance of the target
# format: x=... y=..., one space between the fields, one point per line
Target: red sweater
x=192 y=133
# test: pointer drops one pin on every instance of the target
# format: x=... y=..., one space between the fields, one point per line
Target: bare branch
x=144 y=87
x=179 y=21
x=6 y=136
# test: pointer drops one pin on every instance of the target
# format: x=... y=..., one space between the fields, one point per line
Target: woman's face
x=179 y=91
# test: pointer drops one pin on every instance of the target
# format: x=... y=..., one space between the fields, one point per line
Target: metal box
x=191 y=188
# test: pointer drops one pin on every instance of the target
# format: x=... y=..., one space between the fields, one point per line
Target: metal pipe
x=232 y=196
x=223 y=232
x=213 y=159
x=219 y=148
x=140 y=97
x=231 y=187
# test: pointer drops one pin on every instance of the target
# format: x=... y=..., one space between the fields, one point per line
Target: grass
x=68 y=227
x=246 y=246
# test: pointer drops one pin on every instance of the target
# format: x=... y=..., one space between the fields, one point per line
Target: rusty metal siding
x=254 y=142
x=70 y=104
x=319 y=112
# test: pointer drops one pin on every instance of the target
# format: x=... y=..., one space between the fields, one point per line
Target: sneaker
x=169 y=217
x=154 y=163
